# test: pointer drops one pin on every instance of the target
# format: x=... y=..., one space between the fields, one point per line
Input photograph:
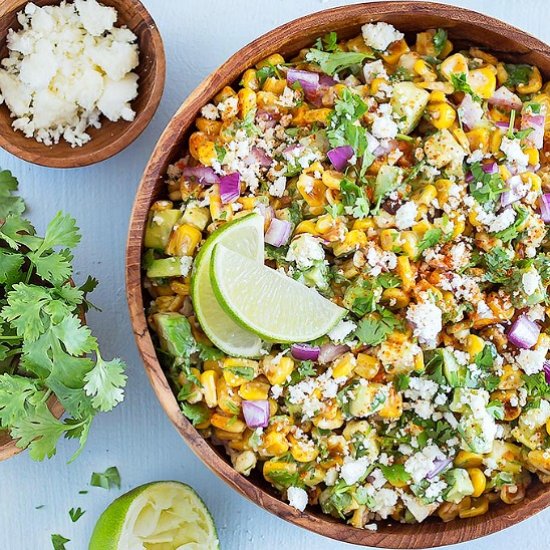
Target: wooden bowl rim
x=427 y=535
x=86 y=155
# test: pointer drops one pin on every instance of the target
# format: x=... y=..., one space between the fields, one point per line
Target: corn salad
x=414 y=179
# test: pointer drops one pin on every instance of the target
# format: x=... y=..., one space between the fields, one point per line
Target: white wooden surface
x=138 y=438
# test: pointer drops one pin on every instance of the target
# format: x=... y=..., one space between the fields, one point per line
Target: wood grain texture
x=112 y=137
x=465 y=28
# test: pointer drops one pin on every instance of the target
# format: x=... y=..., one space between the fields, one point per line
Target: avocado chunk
x=388 y=179
x=367 y=399
x=460 y=485
x=196 y=215
x=174 y=332
x=453 y=371
x=408 y=103
x=168 y=267
x=159 y=227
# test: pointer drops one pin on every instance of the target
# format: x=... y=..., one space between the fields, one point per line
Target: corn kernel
x=367 y=366
x=396 y=297
x=272 y=61
x=302 y=452
x=238 y=371
x=312 y=190
x=404 y=270
x=254 y=391
x=483 y=81
x=208 y=380
x=474 y=345
x=332 y=179
x=275 y=443
x=364 y=224
x=442 y=115
x=344 y=366
x=478 y=508
x=466 y=459
x=306 y=226
x=247 y=102
x=229 y=424
x=277 y=371
x=250 y=80
x=183 y=240
x=479 y=481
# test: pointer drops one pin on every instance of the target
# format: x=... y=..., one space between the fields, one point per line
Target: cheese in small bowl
x=68 y=66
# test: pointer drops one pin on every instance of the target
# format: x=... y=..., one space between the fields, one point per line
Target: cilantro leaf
x=105 y=383
x=8 y=203
x=460 y=84
x=196 y=412
x=430 y=239
x=39 y=432
x=108 y=479
x=58 y=542
x=75 y=514
x=354 y=199
x=10 y=266
x=492 y=185
x=18 y=396
x=327 y=43
x=439 y=40
x=497 y=264
x=61 y=231
x=334 y=62
x=376 y=327
x=395 y=474
x=517 y=74
x=510 y=233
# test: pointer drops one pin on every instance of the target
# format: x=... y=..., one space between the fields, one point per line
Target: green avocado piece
x=159 y=227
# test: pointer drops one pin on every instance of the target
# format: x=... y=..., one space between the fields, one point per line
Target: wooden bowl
x=465 y=27
x=112 y=137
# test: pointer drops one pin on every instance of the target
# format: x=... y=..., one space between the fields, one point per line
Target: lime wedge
x=165 y=515
x=267 y=302
x=245 y=236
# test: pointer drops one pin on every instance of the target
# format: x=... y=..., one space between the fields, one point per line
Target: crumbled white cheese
x=67 y=66
x=504 y=220
x=341 y=330
x=304 y=251
x=383 y=502
x=210 y=112
x=512 y=149
x=383 y=126
x=405 y=217
x=374 y=70
x=278 y=187
x=353 y=470
x=185 y=263
x=531 y=360
x=380 y=260
x=530 y=281
x=420 y=464
x=297 y=498
x=380 y=35
x=426 y=321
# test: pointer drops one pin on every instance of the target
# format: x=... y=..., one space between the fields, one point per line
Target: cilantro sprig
x=45 y=349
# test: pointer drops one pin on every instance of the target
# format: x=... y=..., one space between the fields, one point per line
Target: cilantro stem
x=14 y=338
x=510 y=134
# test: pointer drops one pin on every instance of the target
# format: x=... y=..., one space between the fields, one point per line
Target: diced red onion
x=329 y=352
x=516 y=191
x=203 y=174
x=339 y=156
x=523 y=333
x=267 y=118
x=261 y=157
x=266 y=211
x=278 y=232
x=546 y=369
x=372 y=142
x=326 y=81
x=439 y=466
x=305 y=352
x=470 y=112
x=505 y=99
x=230 y=187
x=256 y=413
x=490 y=168
x=469 y=177
x=308 y=81
x=502 y=124
x=536 y=123
x=544 y=204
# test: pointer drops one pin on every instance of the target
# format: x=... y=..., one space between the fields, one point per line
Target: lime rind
x=165 y=514
x=267 y=302
x=245 y=236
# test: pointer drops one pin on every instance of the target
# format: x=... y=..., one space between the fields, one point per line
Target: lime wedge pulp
x=267 y=302
x=166 y=515
x=245 y=236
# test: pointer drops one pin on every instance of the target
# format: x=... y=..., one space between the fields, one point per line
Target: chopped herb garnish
x=376 y=327
x=492 y=185
x=460 y=84
x=59 y=541
x=439 y=40
x=108 y=479
x=334 y=62
x=75 y=514
x=517 y=74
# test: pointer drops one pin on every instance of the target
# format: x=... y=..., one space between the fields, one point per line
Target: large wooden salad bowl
x=465 y=28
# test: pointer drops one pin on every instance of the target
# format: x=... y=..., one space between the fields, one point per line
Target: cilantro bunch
x=45 y=349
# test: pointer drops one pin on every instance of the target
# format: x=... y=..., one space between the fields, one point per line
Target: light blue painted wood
x=138 y=438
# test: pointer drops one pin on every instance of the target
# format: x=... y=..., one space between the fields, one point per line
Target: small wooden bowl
x=465 y=28
x=112 y=137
